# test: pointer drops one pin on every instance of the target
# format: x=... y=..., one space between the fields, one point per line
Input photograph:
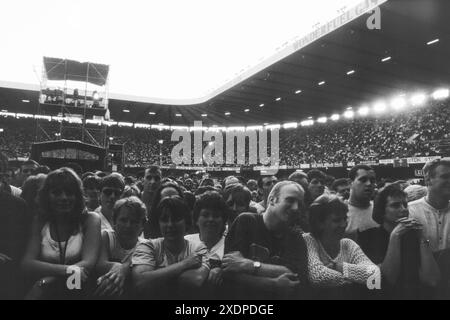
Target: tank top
x=50 y=249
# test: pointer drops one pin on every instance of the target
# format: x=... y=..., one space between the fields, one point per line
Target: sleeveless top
x=50 y=251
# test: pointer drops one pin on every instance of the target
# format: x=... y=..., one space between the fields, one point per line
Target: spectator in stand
x=265 y=184
x=171 y=266
x=118 y=245
x=400 y=247
x=14 y=231
x=252 y=185
x=301 y=178
x=360 y=206
x=91 y=187
x=264 y=256
x=152 y=181
x=64 y=237
x=27 y=169
x=238 y=198
x=433 y=210
x=342 y=188
x=111 y=189
x=168 y=189
x=334 y=261
x=316 y=186
x=210 y=215
x=30 y=191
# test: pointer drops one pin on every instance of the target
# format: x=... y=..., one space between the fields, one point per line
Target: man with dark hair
x=27 y=169
x=91 y=187
x=316 y=186
x=342 y=188
x=360 y=206
x=111 y=188
x=265 y=256
x=433 y=210
x=14 y=230
x=152 y=181
x=265 y=184
x=301 y=178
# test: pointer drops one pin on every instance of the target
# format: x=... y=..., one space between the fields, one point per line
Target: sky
x=169 y=51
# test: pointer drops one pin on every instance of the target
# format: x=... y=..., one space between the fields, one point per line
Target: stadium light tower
x=418 y=99
x=441 y=94
x=398 y=103
x=363 y=111
x=160 y=151
x=379 y=107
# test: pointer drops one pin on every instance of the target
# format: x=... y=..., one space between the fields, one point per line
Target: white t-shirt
x=216 y=251
x=360 y=219
x=436 y=222
x=105 y=225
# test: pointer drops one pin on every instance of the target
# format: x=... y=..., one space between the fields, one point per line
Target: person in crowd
x=433 y=213
x=265 y=257
x=170 y=266
x=301 y=178
x=111 y=189
x=333 y=260
x=168 y=189
x=265 y=184
x=30 y=191
x=400 y=247
x=118 y=246
x=342 y=188
x=360 y=204
x=230 y=180
x=238 y=198
x=152 y=181
x=27 y=169
x=131 y=190
x=316 y=186
x=65 y=239
x=14 y=231
x=252 y=185
x=211 y=215
x=91 y=187
x=415 y=192
x=433 y=210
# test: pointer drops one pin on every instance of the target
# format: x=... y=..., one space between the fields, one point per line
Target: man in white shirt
x=433 y=210
x=360 y=206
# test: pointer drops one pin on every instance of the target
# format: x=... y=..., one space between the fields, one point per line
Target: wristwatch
x=426 y=242
x=42 y=283
x=256 y=266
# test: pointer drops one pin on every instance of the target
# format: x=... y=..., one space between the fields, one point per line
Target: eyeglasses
x=150 y=177
x=109 y=191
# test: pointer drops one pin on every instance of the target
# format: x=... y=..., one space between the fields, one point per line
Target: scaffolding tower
x=73 y=102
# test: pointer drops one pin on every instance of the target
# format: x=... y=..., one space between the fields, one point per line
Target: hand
x=215 y=277
x=4 y=259
x=194 y=261
x=286 y=284
x=113 y=283
x=235 y=262
x=404 y=225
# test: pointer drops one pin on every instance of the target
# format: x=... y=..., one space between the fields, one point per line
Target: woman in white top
x=65 y=238
x=118 y=245
x=334 y=261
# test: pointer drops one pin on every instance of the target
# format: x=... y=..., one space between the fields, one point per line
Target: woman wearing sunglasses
x=170 y=267
x=65 y=240
x=400 y=247
x=334 y=262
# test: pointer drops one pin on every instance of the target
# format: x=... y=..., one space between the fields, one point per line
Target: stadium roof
x=399 y=58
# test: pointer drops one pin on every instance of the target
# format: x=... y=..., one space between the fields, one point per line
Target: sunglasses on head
x=110 y=191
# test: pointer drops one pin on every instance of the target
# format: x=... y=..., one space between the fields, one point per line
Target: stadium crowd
x=69 y=234
x=401 y=134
